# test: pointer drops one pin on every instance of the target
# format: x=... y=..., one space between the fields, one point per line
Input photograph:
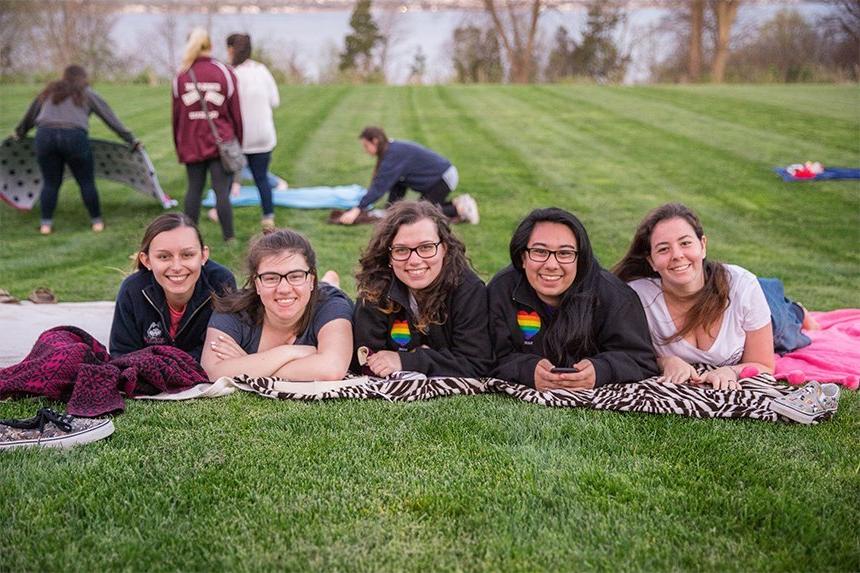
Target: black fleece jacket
x=620 y=331
x=459 y=347
x=141 y=317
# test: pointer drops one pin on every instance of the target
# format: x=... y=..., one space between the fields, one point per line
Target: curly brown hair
x=375 y=275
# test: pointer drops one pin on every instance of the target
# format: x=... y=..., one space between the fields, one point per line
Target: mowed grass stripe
x=833 y=134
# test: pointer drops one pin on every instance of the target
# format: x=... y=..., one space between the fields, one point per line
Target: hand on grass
x=545 y=379
x=384 y=362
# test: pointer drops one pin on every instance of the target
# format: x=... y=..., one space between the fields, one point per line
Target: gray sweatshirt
x=67 y=115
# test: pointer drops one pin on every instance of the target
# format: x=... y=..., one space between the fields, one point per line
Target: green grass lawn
x=485 y=482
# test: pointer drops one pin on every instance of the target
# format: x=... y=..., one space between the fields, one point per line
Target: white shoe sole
x=83 y=436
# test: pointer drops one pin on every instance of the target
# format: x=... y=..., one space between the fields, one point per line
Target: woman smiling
x=284 y=322
x=560 y=321
x=699 y=311
x=421 y=307
x=167 y=301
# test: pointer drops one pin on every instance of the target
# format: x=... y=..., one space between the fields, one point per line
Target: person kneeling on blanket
x=284 y=322
x=560 y=321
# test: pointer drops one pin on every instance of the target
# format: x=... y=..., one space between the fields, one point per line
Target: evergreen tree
x=357 y=54
x=597 y=56
x=558 y=65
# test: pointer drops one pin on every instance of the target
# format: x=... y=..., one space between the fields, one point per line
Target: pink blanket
x=833 y=356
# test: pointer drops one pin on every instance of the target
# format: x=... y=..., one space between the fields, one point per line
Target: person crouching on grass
x=420 y=305
x=401 y=165
x=168 y=300
x=284 y=322
x=560 y=321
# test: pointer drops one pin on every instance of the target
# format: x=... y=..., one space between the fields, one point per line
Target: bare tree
x=391 y=30
x=697 y=26
x=161 y=44
x=725 y=12
x=17 y=21
x=517 y=30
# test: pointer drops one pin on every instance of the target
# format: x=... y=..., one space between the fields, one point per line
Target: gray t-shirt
x=332 y=304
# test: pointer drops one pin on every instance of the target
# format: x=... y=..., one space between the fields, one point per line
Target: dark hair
x=375 y=275
x=241 y=44
x=378 y=137
x=246 y=301
x=161 y=224
x=709 y=304
x=73 y=84
x=570 y=335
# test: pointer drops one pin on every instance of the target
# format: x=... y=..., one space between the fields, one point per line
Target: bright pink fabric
x=833 y=356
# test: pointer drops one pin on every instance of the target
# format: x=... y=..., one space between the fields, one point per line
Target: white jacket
x=258 y=94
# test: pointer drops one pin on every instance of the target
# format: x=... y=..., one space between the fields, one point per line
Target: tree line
x=696 y=41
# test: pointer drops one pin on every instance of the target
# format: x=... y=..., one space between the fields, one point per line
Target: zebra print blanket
x=648 y=396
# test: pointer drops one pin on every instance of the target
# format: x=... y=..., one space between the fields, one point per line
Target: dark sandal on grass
x=42 y=295
x=7 y=298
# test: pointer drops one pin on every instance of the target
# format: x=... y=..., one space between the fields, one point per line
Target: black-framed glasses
x=294 y=278
x=563 y=256
x=424 y=250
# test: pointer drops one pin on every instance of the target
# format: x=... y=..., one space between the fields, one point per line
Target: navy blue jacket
x=141 y=317
x=409 y=163
x=459 y=347
x=518 y=317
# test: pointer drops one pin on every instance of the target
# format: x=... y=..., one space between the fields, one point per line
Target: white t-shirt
x=747 y=311
x=258 y=94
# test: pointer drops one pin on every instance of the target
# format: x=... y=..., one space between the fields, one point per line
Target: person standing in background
x=195 y=143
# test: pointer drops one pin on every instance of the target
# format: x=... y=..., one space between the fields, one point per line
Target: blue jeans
x=270 y=177
x=55 y=148
x=786 y=316
x=258 y=163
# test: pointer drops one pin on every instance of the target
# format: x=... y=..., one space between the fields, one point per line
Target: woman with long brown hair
x=61 y=114
x=402 y=165
x=284 y=322
x=698 y=310
x=420 y=306
x=168 y=301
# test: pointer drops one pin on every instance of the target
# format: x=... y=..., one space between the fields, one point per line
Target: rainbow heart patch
x=529 y=323
x=400 y=332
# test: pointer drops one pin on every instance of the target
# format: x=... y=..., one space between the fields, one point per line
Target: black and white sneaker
x=54 y=430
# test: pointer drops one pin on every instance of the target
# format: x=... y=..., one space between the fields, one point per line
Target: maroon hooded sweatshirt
x=191 y=132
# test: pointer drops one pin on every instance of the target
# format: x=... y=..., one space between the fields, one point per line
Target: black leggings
x=436 y=195
x=221 y=181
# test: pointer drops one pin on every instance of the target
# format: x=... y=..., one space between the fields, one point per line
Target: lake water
x=314 y=38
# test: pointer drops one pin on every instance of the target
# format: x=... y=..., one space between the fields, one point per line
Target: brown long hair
x=709 y=304
x=162 y=223
x=73 y=84
x=241 y=44
x=378 y=137
x=246 y=301
x=375 y=275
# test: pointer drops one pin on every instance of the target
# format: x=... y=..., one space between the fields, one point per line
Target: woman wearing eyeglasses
x=560 y=321
x=284 y=322
x=420 y=306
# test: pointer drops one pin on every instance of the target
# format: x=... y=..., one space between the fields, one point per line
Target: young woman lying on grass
x=560 y=321
x=168 y=300
x=699 y=311
x=284 y=322
x=421 y=307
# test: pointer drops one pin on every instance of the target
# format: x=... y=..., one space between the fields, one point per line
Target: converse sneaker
x=808 y=404
x=52 y=429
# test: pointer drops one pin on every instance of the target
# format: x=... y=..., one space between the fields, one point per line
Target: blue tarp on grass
x=339 y=197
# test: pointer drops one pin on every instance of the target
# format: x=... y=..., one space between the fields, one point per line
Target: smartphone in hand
x=563 y=370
